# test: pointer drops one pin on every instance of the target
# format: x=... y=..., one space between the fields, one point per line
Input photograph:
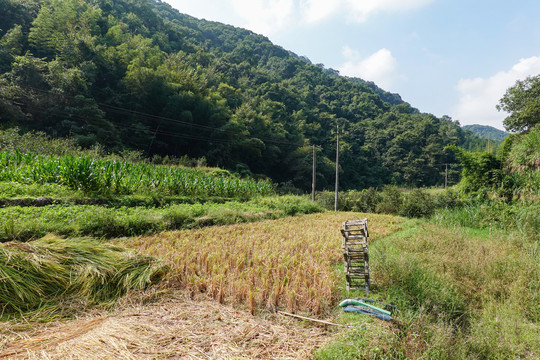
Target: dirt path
x=176 y=328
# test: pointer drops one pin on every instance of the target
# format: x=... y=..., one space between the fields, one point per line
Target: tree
x=522 y=101
x=65 y=28
x=480 y=169
x=137 y=74
x=11 y=44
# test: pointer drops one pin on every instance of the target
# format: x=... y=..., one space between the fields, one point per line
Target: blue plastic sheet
x=367 y=311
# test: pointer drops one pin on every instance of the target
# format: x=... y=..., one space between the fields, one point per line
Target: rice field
x=288 y=263
x=109 y=176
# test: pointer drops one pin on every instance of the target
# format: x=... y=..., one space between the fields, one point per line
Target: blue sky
x=445 y=57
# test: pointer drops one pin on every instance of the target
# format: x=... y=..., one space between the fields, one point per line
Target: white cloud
x=210 y=10
x=313 y=11
x=272 y=16
x=380 y=67
x=261 y=16
x=265 y=16
x=479 y=96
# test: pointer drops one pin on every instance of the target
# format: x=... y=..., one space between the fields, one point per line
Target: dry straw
x=46 y=272
x=175 y=328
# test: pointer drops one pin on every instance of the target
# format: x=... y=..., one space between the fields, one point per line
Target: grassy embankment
x=462 y=293
x=25 y=223
x=84 y=196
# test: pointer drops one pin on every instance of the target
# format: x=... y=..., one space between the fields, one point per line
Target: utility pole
x=337 y=168
x=445 y=176
x=313 y=177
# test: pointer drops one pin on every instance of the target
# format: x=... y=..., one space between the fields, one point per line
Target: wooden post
x=313 y=177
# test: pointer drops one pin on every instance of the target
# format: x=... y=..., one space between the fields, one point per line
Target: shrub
x=36 y=142
x=288 y=188
x=325 y=199
x=391 y=200
x=289 y=204
x=417 y=203
x=480 y=169
x=365 y=200
x=447 y=199
x=524 y=160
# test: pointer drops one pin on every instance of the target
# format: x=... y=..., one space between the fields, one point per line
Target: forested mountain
x=487 y=132
x=137 y=74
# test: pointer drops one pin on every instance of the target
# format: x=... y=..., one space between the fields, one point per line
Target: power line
x=163 y=118
x=127 y=127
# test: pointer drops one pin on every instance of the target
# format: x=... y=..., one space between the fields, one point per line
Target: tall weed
x=460 y=295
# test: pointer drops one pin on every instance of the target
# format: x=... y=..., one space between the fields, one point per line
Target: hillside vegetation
x=487 y=132
x=139 y=75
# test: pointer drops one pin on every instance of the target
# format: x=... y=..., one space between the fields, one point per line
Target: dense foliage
x=514 y=172
x=138 y=75
x=480 y=169
x=522 y=101
x=522 y=159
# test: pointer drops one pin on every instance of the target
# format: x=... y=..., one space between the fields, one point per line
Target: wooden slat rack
x=355 y=254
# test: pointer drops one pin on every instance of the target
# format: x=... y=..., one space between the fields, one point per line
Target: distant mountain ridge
x=486 y=132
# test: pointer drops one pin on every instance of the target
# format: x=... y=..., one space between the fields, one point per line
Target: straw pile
x=177 y=327
x=48 y=272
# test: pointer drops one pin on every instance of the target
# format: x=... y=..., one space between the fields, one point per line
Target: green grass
x=24 y=223
x=17 y=194
x=461 y=294
x=47 y=275
x=522 y=217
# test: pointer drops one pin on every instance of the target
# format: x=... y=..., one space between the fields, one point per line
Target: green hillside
x=139 y=75
x=486 y=132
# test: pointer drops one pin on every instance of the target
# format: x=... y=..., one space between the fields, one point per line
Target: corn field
x=106 y=176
